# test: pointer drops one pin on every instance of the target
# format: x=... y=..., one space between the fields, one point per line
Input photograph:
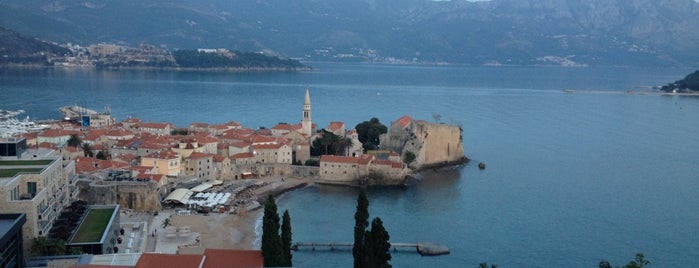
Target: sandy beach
x=217 y=230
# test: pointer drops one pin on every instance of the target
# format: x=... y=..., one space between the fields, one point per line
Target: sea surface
x=603 y=171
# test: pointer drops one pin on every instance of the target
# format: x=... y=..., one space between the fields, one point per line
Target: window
x=31 y=188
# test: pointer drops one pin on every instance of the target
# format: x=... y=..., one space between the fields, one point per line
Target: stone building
x=432 y=144
x=40 y=185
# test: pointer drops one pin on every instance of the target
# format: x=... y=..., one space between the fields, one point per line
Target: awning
x=202 y=187
x=216 y=182
x=180 y=195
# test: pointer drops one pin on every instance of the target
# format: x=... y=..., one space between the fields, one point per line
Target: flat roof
x=7 y=221
x=93 y=226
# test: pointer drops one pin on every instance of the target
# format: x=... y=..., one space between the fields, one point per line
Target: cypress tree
x=361 y=218
x=286 y=239
x=271 y=242
x=377 y=245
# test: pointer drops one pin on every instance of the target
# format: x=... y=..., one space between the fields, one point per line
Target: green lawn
x=8 y=173
x=25 y=162
x=93 y=226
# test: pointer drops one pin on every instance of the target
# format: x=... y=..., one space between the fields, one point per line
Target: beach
x=192 y=234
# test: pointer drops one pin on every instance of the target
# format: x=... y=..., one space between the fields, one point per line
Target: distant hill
x=18 y=49
x=687 y=85
x=517 y=32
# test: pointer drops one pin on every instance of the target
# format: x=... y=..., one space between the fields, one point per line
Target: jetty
x=425 y=249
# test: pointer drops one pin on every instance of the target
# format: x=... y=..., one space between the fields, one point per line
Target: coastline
x=222 y=230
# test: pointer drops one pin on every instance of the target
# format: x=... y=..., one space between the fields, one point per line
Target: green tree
x=74 y=141
x=408 y=157
x=330 y=144
x=101 y=155
x=639 y=262
x=369 y=132
x=312 y=162
x=271 y=247
x=87 y=149
x=377 y=245
x=40 y=245
x=361 y=222
x=286 y=239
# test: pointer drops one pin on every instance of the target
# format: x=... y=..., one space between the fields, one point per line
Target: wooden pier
x=425 y=249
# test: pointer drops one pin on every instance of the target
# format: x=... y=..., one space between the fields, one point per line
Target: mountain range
x=508 y=32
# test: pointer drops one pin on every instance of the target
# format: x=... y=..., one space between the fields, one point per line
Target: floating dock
x=425 y=249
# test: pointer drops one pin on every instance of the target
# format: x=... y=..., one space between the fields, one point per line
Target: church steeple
x=307 y=123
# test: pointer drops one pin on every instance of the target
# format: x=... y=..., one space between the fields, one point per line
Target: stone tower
x=307 y=123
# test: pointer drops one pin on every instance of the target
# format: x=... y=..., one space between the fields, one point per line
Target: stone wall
x=433 y=144
x=139 y=196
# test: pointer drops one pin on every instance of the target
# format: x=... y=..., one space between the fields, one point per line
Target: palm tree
x=39 y=246
x=87 y=149
x=74 y=141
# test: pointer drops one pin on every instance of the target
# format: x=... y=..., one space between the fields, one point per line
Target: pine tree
x=286 y=239
x=377 y=245
x=361 y=219
x=271 y=242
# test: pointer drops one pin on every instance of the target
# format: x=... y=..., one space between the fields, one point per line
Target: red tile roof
x=289 y=127
x=156 y=260
x=163 y=155
x=404 y=121
x=339 y=159
x=54 y=133
x=242 y=155
x=266 y=146
x=334 y=126
x=241 y=144
x=219 y=158
x=231 y=258
x=198 y=155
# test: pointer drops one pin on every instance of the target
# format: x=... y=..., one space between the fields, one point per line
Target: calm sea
x=571 y=178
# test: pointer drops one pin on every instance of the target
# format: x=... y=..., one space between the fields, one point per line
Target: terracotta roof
x=266 y=146
x=54 y=133
x=30 y=135
x=232 y=124
x=339 y=159
x=155 y=125
x=285 y=126
x=241 y=144
x=404 y=121
x=261 y=139
x=88 y=164
x=334 y=126
x=119 y=133
x=242 y=155
x=163 y=155
x=198 y=155
x=219 y=158
x=156 y=260
x=232 y=258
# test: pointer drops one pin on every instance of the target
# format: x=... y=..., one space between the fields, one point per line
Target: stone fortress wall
x=433 y=144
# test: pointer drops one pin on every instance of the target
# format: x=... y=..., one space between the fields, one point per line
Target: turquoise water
x=571 y=178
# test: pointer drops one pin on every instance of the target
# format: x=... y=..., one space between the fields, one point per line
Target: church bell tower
x=306 y=123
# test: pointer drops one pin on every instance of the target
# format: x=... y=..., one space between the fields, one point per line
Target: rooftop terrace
x=93 y=226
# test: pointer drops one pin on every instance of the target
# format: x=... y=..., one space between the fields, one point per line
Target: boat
x=10 y=126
